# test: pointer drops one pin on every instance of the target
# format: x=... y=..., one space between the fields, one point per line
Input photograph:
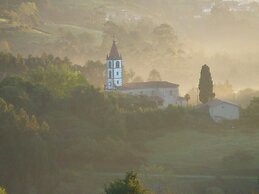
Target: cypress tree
x=205 y=85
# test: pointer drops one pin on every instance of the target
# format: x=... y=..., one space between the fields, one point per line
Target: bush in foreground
x=130 y=184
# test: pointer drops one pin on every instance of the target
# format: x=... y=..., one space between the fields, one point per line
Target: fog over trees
x=175 y=37
x=62 y=133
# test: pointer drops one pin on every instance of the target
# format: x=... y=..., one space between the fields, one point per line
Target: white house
x=165 y=92
x=220 y=110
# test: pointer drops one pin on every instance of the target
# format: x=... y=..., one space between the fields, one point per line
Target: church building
x=163 y=91
x=113 y=69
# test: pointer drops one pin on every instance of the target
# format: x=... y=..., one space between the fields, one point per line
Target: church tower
x=113 y=69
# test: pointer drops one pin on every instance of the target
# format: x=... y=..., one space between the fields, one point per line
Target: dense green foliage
x=130 y=184
x=251 y=114
x=13 y=65
x=94 y=72
x=85 y=128
x=25 y=150
x=205 y=85
x=75 y=129
x=58 y=79
x=2 y=190
x=87 y=131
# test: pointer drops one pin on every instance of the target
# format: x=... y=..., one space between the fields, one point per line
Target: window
x=110 y=74
x=117 y=64
x=118 y=82
x=117 y=73
x=110 y=64
x=110 y=83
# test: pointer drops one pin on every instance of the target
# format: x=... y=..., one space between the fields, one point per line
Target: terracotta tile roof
x=114 y=54
x=151 y=84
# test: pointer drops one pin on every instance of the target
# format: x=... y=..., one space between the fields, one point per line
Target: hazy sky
x=247 y=1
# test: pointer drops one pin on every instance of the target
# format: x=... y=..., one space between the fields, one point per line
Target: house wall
x=224 y=111
x=169 y=95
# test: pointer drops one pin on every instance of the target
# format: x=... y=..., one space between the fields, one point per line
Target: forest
x=58 y=131
x=61 y=133
x=174 y=37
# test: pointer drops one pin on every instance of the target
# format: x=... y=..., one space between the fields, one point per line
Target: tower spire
x=114 y=53
x=113 y=69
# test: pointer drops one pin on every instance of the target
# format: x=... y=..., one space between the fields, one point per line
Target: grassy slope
x=32 y=40
x=194 y=149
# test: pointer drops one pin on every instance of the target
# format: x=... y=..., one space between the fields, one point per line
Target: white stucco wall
x=113 y=74
x=169 y=95
x=117 y=73
x=224 y=111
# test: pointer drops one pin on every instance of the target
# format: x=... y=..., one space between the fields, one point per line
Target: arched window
x=110 y=74
x=117 y=64
x=110 y=64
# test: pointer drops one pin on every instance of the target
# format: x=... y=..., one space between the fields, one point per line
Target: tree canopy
x=59 y=79
x=2 y=191
x=154 y=75
x=130 y=184
x=56 y=128
x=205 y=85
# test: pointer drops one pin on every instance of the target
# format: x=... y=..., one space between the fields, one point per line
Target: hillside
x=83 y=30
x=60 y=134
x=209 y=152
x=62 y=131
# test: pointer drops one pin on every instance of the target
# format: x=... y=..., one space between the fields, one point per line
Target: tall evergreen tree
x=205 y=85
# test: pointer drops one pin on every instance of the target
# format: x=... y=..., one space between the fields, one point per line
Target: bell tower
x=113 y=69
